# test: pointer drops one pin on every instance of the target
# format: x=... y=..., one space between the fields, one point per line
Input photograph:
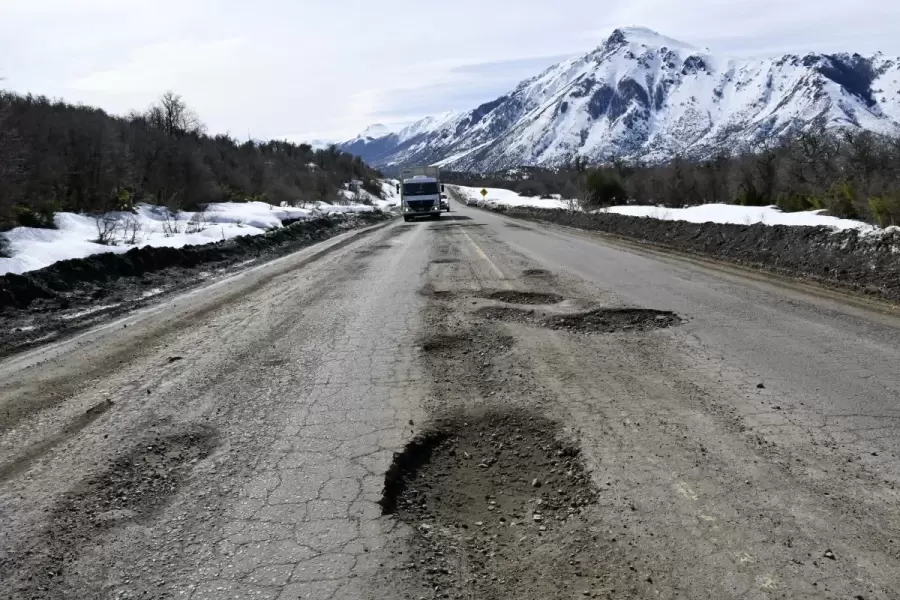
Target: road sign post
x=484 y=192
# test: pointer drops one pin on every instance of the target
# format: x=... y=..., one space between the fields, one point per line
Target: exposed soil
x=69 y=295
x=496 y=502
x=132 y=489
x=521 y=297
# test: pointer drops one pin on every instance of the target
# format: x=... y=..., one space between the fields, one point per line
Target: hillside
x=641 y=95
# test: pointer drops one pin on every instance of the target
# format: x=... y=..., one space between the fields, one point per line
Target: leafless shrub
x=199 y=222
x=170 y=223
x=131 y=229
x=108 y=226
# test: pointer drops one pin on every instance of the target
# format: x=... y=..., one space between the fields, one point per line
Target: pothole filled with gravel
x=522 y=297
x=496 y=504
x=600 y=320
x=610 y=320
x=135 y=487
x=537 y=273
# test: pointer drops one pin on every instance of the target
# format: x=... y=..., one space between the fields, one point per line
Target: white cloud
x=275 y=68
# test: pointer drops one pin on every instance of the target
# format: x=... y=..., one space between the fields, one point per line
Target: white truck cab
x=420 y=190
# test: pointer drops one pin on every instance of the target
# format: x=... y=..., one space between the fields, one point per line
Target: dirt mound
x=520 y=297
x=495 y=501
x=610 y=320
x=136 y=485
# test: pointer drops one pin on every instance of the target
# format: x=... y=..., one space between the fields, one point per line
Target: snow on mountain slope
x=643 y=95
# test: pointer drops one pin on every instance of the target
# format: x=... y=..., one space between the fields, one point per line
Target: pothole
x=609 y=320
x=507 y=313
x=601 y=320
x=538 y=273
x=520 y=297
x=501 y=493
x=444 y=261
x=430 y=292
x=474 y=344
x=133 y=488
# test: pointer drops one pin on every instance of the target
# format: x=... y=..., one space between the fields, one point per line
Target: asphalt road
x=233 y=442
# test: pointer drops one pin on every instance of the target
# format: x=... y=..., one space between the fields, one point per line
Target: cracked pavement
x=730 y=452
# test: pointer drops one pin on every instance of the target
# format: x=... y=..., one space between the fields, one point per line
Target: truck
x=421 y=193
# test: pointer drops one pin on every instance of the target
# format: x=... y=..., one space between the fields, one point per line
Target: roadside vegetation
x=56 y=156
x=851 y=174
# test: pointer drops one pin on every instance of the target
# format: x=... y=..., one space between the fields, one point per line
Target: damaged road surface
x=460 y=409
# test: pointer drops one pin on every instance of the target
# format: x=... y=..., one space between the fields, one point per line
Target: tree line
x=850 y=173
x=56 y=156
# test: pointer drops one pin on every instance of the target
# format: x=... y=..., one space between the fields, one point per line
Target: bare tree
x=173 y=116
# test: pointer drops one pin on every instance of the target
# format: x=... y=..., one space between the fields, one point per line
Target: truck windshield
x=420 y=189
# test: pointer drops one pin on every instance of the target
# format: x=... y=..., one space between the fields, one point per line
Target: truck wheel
x=405 y=218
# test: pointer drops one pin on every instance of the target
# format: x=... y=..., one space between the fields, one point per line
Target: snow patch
x=90 y=311
x=510 y=198
x=740 y=215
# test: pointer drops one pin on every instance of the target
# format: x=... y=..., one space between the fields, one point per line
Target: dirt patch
x=520 y=297
x=133 y=489
x=610 y=320
x=495 y=501
x=599 y=320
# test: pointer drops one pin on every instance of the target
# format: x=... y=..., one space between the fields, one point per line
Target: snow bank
x=389 y=191
x=706 y=213
x=75 y=235
x=740 y=215
x=510 y=198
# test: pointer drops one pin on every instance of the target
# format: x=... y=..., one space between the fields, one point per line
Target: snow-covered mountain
x=641 y=94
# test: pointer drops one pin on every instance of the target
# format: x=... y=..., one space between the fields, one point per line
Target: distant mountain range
x=643 y=95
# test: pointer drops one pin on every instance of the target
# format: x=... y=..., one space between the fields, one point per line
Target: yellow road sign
x=484 y=192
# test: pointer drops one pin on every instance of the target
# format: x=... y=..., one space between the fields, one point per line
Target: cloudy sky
x=308 y=69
